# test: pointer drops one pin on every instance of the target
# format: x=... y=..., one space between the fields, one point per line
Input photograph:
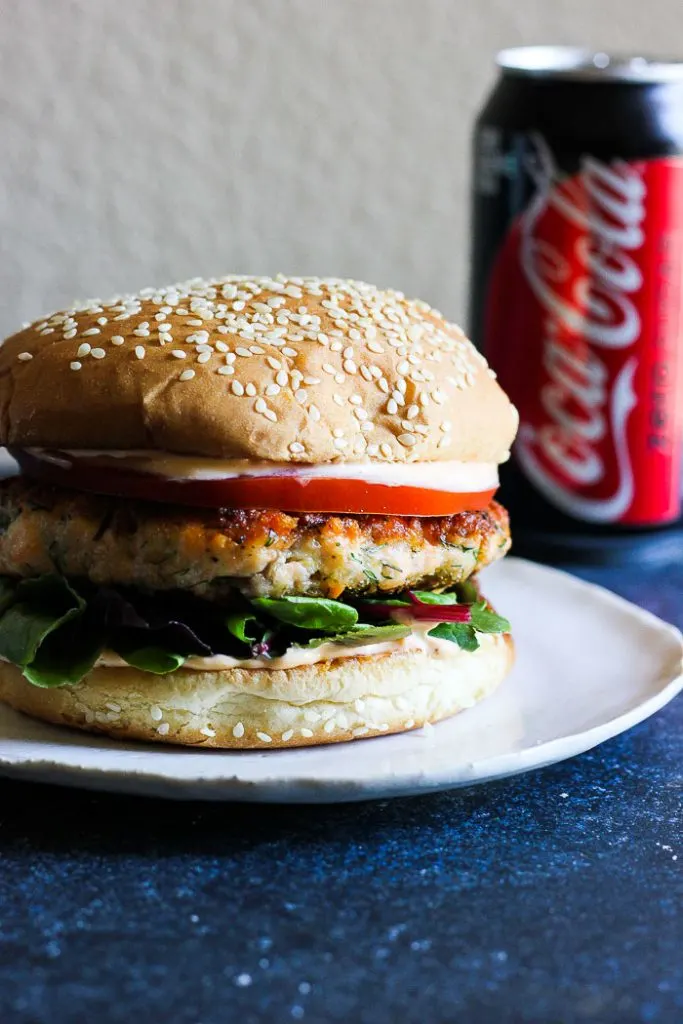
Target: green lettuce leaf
x=460 y=633
x=485 y=620
x=151 y=659
x=244 y=627
x=41 y=606
x=317 y=614
x=361 y=634
x=427 y=597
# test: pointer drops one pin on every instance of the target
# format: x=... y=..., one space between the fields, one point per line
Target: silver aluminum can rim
x=582 y=64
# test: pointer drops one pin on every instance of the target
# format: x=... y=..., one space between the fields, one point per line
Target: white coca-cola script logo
x=588 y=297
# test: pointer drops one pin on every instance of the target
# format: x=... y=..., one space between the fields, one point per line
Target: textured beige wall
x=149 y=140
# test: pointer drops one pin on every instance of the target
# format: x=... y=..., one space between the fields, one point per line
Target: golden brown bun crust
x=360 y=374
x=252 y=708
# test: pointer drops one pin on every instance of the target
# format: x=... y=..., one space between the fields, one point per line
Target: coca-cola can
x=576 y=295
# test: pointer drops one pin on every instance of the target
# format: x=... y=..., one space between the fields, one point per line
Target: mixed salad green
x=55 y=629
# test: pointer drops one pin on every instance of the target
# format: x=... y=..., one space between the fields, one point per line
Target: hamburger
x=250 y=513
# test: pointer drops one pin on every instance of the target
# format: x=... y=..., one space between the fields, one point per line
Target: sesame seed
x=91 y=331
x=375 y=346
x=83 y=350
x=264 y=737
x=386 y=450
x=300 y=395
x=226 y=371
x=350 y=366
x=438 y=397
x=260 y=405
x=270 y=415
x=70 y=334
x=156 y=714
x=361 y=731
x=307 y=733
x=139 y=351
x=329 y=725
x=117 y=340
x=250 y=390
x=296 y=448
x=407 y=440
x=341 y=443
x=163 y=729
x=24 y=357
x=195 y=323
x=392 y=408
x=75 y=365
x=238 y=305
x=412 y=412
x=204 y=357
x=336 y=346
x=206 y=731
x=242 y=351
x=140 y=333
x=179 y=354
x=355 y=400
x=282 y=378
x=291 y=352
x=98 y=353
x=186 y=375
x=274 y=363
x=237 y=388
x=286 y=736
x=314 y=413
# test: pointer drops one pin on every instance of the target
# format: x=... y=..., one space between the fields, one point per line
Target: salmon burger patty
x=261 y=553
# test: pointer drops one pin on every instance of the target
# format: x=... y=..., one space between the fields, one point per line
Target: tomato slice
x=285 y=493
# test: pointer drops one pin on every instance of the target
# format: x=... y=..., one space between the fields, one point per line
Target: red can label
x=584 y=328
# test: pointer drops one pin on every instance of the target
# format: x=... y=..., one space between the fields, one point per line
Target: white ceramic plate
x=589 y=665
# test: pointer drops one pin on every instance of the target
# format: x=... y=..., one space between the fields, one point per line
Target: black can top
x=574 y=62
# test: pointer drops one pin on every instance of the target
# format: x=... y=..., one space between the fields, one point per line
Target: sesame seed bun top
x=296 y=369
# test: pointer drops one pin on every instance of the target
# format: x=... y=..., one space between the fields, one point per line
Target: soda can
x=576 y=296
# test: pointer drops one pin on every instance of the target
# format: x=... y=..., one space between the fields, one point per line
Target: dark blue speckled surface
x=553 y=897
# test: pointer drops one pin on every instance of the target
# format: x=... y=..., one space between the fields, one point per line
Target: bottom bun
x=326 y=702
